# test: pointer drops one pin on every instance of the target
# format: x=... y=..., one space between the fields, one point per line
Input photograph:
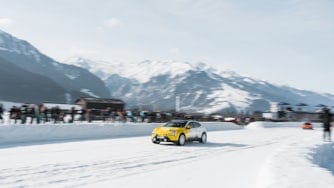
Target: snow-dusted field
x=258 y=156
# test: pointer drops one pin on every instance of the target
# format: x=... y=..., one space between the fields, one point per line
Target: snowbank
x=14 y=134
x=266 y=124
x=296 y=161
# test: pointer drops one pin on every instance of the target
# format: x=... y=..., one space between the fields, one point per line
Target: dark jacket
x=326 y=118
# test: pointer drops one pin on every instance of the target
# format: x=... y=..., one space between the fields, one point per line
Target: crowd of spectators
x=33 y=113
x=41 y=113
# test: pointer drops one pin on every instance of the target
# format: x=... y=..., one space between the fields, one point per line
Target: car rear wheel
x=203 y=138
x=182 y=140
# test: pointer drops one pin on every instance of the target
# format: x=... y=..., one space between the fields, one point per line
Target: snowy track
x=270 y=157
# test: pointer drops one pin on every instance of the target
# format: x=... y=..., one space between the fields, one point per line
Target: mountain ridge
x=70 y=77
x=200 y=87
x=19 y=88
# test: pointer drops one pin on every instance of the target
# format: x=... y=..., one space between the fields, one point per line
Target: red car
x=307 y=126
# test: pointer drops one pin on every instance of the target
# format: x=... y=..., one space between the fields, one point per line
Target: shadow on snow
x=323 y=156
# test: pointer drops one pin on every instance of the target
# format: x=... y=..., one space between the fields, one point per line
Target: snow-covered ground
x=23 y=134
x=262 y=155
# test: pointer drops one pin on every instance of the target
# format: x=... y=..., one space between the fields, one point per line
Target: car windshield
x=175 y=124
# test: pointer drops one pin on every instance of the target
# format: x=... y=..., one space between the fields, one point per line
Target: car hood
x=165 y=130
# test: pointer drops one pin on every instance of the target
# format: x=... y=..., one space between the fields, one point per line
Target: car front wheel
x=155 y=142
x=203 y=138
x=182 y=140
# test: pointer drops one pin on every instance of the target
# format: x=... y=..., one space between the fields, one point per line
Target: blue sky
x=286 y=42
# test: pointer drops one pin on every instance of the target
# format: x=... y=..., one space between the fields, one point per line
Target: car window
x=191 y=124
x=175 y=124
x=195 y=124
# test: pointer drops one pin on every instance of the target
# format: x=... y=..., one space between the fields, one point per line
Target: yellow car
x=179 y=131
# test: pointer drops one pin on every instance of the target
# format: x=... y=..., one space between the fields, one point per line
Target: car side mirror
x=188 y=127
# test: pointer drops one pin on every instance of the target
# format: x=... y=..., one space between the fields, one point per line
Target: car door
x=192 y=130
x=195 y=130
x=198 y=130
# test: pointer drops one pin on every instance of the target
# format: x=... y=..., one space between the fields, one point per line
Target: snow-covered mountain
x=75 y=81
x=199 y=87
x=135 y=70
x=17 y=84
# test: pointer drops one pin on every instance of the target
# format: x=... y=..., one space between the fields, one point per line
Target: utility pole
x=177 y=103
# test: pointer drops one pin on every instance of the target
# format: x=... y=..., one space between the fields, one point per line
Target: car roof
x=182 y=120
x=178 y=120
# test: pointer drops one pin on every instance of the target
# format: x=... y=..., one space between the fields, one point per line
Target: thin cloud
x=109 y=24
x=5 y=22
x=174 y=50
x=112 y=23
x=75 y=51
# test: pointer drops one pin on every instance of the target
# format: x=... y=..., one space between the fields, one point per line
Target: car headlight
x=172 y=132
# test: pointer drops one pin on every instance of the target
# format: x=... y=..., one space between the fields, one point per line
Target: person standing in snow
x=15 y=113
x=23 y=113
x=142 y=116
x=72 y=113
x=1 y=113
x=83 y=115
x=88 y=115
x=31 y=112
x=37 y=113
x=326 y=118
x=43 y=113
